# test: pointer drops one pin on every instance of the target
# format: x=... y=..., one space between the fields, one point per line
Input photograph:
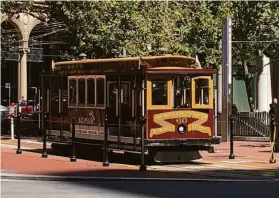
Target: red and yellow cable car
x=157 y=105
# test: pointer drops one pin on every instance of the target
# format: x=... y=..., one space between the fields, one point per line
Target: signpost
x=8 y=86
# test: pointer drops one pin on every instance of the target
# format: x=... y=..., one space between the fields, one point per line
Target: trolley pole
x=18 y=114
x=105 y=154
x=44 y=153
x=73 y=157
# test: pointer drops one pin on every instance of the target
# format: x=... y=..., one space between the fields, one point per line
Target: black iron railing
x=252 y=124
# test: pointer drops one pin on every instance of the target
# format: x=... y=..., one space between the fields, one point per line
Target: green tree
x=253 y=22
x=105 y=29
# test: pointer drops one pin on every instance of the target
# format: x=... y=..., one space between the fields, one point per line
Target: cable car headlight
x=181 y=129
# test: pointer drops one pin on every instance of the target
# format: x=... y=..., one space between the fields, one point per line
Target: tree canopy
x=109 y=28
x=105 y=29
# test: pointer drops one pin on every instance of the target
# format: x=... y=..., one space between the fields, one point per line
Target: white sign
x=7 y=85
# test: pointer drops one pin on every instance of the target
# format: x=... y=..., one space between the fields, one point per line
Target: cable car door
x=118 y=107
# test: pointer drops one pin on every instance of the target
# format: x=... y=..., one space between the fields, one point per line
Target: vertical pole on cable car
x=73 y=157
x=44 y=153
x=62 y=108
x=60 y=104
x=18 y=151
x=119 y=109
x=105 y=151
x=39 y=109
x=50 y=101
x=42 y=104
x=143 y=125
x=272 y=133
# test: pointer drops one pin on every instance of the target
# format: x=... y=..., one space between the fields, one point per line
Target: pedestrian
x=275 y=101
x=272 y=112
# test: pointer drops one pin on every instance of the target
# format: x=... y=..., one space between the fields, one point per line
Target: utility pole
x=227 y=88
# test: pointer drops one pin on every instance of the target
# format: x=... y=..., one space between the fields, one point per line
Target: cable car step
x=124 y=149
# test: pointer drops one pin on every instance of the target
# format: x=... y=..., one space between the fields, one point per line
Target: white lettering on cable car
x=85 y=127
x=180 y=116
x=87 y=120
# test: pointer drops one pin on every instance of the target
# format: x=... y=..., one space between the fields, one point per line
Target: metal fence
x=252 y=124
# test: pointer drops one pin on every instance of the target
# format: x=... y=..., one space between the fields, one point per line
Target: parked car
x=5 y=120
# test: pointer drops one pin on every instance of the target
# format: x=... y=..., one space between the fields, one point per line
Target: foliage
x=104 y=29
x=256 y=22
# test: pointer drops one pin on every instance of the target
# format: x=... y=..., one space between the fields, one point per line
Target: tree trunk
x=247 y=80
x=249 y=94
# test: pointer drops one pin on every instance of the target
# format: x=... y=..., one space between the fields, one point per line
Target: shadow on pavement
x=119 y=158
x=170 y=189
x=162 y=189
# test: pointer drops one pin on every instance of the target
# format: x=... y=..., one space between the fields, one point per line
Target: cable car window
x=112 y=93
x=125 y=88
x=159 y=92
x=91 y=91
x=100 y=91
x=202 y=91
x=72 y=91
x=182 y=92
x=81 y=91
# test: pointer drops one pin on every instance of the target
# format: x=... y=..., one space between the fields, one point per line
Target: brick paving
x=252 y=158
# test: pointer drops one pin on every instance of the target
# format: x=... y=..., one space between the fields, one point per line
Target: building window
x=72 y=91
x=159 y=92
x=91 y=92
x=81 y=91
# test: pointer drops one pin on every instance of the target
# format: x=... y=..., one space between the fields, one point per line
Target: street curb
x=81 y=178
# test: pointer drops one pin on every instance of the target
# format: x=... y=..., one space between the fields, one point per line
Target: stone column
x=264 y=85
x=23 y=23
x=22 y=88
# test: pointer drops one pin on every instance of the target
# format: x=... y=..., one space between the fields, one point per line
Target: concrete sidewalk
x=251 y=162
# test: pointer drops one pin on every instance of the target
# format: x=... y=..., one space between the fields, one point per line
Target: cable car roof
x=130 y=64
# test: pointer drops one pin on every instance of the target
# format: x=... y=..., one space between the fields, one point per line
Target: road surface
x=127 y=189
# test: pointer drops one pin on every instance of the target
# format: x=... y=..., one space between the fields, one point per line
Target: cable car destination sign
x=169 y=121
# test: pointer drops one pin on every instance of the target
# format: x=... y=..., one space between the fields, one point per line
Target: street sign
x=7 y=85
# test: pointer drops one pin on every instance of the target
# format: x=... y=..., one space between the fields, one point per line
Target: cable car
x=161 y=106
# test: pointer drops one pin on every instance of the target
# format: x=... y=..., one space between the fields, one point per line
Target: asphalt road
x=127 y=189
